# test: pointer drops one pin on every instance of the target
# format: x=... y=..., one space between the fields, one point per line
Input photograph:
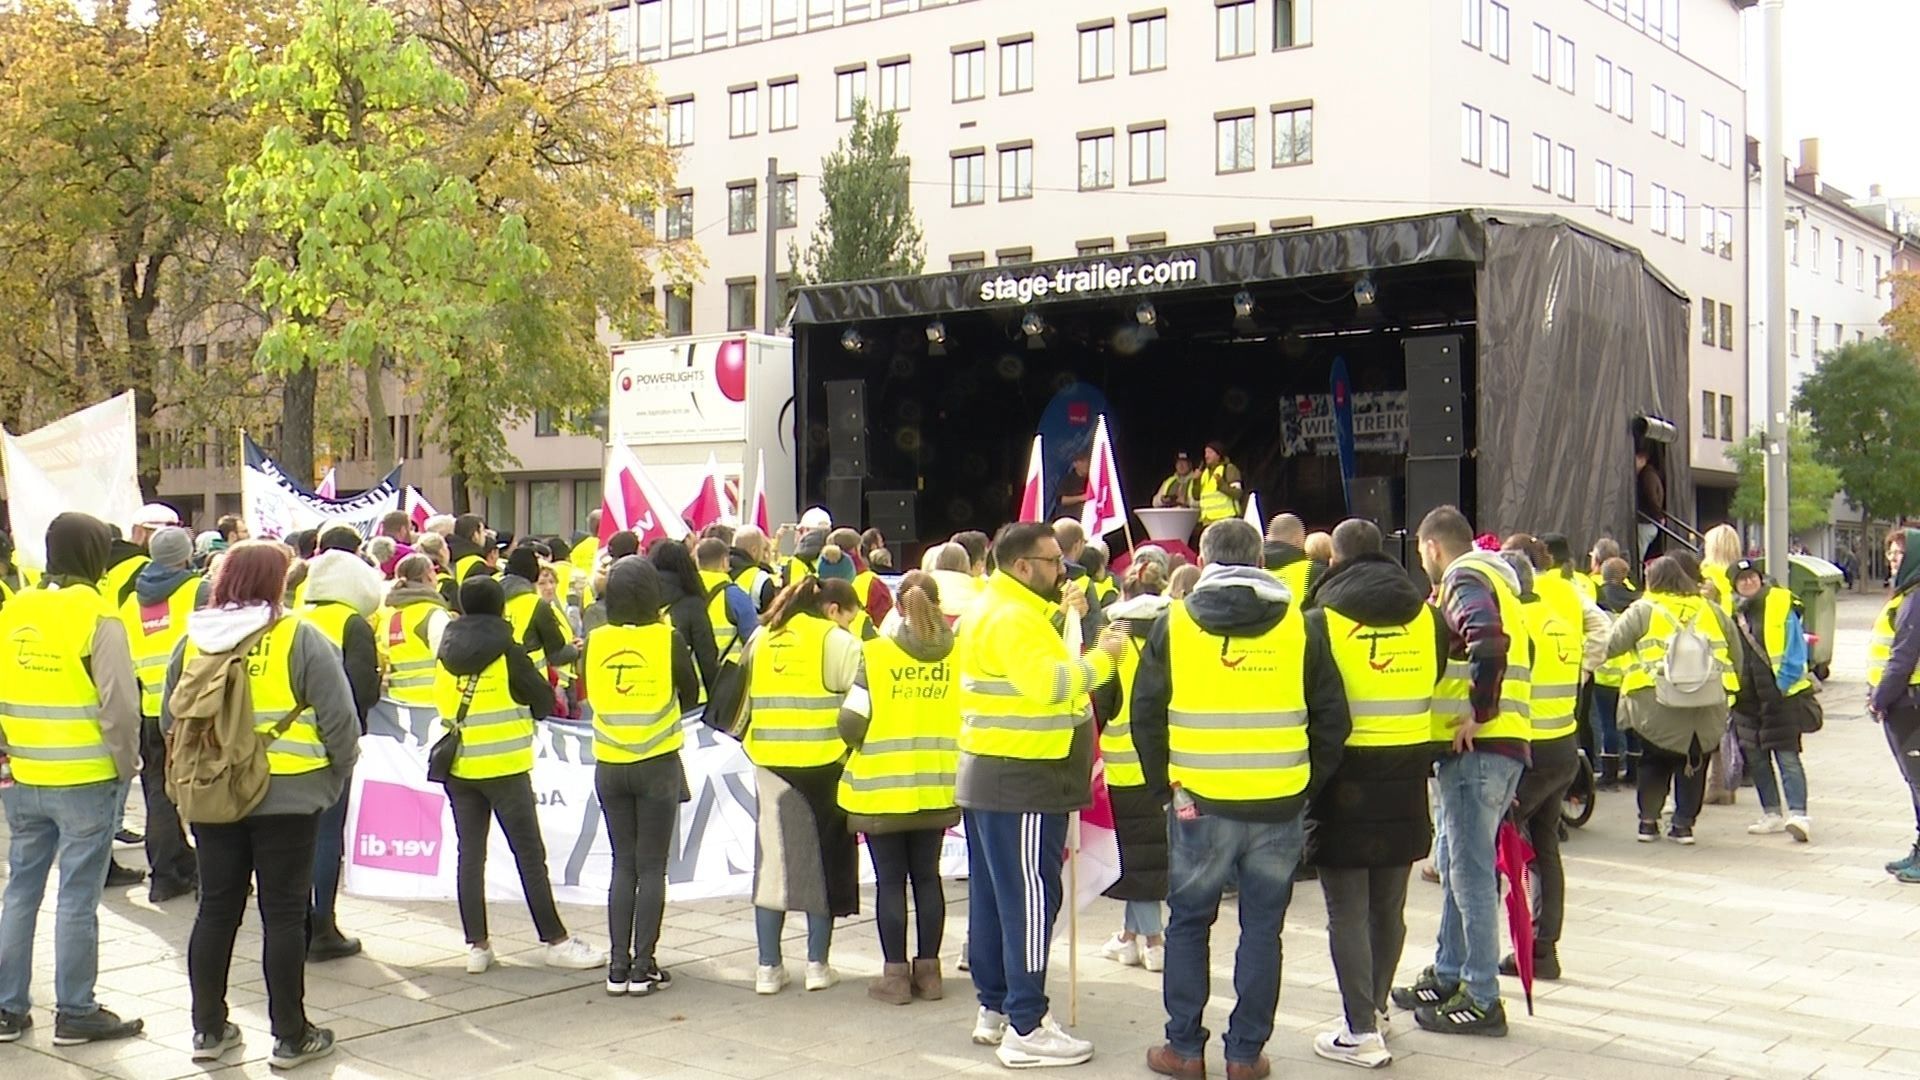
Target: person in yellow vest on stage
x=1482 y=710
x=1219 y=488
x=293 y=672
x=1370 y=821
x=902 y=721
x=1139 y=812
x=407 y=630
x=538 y=626
x=1776 y=705
x=342 y=596
x=800 y=665
x=1285 y=556
x=165 y=592
x=639 y=678
x=485 y=673
x=70 y=719
x=1676 y=740
x=1238 y=705
x=729 y=610
x=1893 y=669
x=1026 y=755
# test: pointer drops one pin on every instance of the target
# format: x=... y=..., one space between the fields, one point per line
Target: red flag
x=631 y=501
x=712 y=503
x=1106 y=508
x=1033 y=503
x=757 y=515
x=418 y=508
x=326 y=489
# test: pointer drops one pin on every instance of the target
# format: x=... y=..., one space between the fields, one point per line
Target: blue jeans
x=1476 y=790
x=769 y=924
x=1012 y=903
x=1207 y=853
x=74 y=826
x=1606 y=712
x=1792 y=780
x=1143 y=918
x=329 y=849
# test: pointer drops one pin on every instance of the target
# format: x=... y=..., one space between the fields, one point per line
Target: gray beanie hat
x=171 y=547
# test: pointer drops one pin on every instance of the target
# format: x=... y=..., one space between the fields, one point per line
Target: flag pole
x=1073 y=919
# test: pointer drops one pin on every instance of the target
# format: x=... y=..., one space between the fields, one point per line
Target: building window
x=1563 y=65
x=543 y=425
x=1233 y=30
x=741 y=198
x=1706 y=134
x=679 y=308
x=1657 y=111
x=1708 y=324
x=1102 y=246
x=1840 y=259
x=743 y=111
x=1472 y=23
x=1623 y=94
x=1542 y=53
x=680 y=216
x=1019 y=256
x=1603 y=83
x=1542 y=162
x=785 y=105
x=1726 y=327
x=1016 y=173
x=743 y=304
x=1237 y=231
x=1149 y=51
x=1470 y=134
x=680 y=122
x=1293 y=135
x=1813 y=334
x=620 y=33
x=1623 y=195
x=1706 y=227
x=849 y=88
x=1016 y=66
x=786 y=16
x=1657 y=203
x=973 y=260
x=1146 y=241
x=786 y=202
x=1233 y=142
x=1838 y=334
x=1814 y=251
x=1603 y=187
x=1878 y=277
x=1147 y=151
x=896 y=85
x=1096 y=162
x=970 y=178
x=1096 y=53
x=1709 y=413
x=1726 y=401
x=1793 y=242
x=1499 y=150
x=587 y=497
x=1793 y=332
x=543 y=507
x=1677 y=216
x=1292 y=23
x=1563 y=179
x=651 y=30
x=1860 y=268
x=1677 y=119
x=970 y=74
x=1723 y=143
x=1499 y=32
x=1723 y=229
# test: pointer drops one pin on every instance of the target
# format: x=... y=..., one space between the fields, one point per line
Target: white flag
x=1106 y=508
x=84 y=462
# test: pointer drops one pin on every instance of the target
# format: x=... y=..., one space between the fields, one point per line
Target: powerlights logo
x=727 y=364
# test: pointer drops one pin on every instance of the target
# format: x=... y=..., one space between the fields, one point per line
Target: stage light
x=936 y=338
x=853 y=341
x=1243 y=305
x=1035 y=327
x=1364 y=294
x=1145 y=314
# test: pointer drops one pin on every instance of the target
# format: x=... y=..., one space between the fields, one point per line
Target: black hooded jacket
x=475 y=640
x=1373 y=812
x=688 y=611
x=1243 y=601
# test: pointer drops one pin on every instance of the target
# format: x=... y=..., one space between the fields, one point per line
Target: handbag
x=446 y=749
x=726 y=710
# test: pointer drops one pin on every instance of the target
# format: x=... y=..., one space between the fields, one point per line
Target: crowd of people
x=1290 y=706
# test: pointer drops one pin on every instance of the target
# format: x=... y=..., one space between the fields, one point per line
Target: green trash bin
x=1817 y=582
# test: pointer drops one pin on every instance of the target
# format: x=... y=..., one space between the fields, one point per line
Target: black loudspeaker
x=846 y=429
x=843 y=500
x=892 y=513
x=1431 y=483
x=1373 y=499
x=1435 y=397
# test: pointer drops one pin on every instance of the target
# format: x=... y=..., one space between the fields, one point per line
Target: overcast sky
x=1849 y=81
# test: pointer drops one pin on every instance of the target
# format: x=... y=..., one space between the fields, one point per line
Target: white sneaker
x=1045 y=1047
x=1368 y=1051
x=962 y=964
x=1154 y=958
x=820 y=976
x=769 y=978
x=1768 y=825
x=575 y=954
x=1122 y=950
x=1800 y=828
x=989 y=1027
x=479 y=959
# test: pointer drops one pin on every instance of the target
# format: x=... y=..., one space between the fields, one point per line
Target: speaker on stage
x=1373 y=499
x=846 y=429
x=843 y=499
x=892 y=513
x=1436 y=396
x=1431 y=483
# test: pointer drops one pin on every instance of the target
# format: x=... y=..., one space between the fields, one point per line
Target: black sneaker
x=1546 y=965
x=128 y=838
x=1426 y=990
x=619 y=977
x=14 y=1025
x=1459 y=1015
x=208 y=1046
x=1649 y=832
x=160 y=890
x=331 y=944
x=100 y=1025
x=649 y=981
x=293 y=1053
x=1681 y=834
x=119 y=877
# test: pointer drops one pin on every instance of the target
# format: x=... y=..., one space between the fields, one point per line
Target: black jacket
x=361 y=658
x=1373 y=812
x=1763 y=717
x=738 y=563
x=688 y=611
x=473 y=642
x=547 y=630
x=457 y=549
x=1240 y=601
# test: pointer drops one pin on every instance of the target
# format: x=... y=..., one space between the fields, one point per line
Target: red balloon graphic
x=730 y=369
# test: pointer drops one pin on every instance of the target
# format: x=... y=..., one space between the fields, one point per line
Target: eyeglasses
x=1056 y=560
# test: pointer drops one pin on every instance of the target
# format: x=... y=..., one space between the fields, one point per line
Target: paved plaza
x=1741 y=957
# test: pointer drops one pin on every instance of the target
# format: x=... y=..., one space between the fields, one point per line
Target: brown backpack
x=216 y=761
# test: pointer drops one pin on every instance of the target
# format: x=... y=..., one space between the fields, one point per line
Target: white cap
x=816 y=518
x=155 y=516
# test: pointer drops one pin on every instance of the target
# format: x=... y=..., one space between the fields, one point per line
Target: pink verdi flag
x=1106 y=506
x=757 y=515
x=1033 y=502
x=631 y=501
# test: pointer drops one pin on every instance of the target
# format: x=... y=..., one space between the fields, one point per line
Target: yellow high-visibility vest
x=1721 y=583
x=331 y=617
x=49 y=706
x=1778 y=606
x=1669 y=614
x=636 y=714
x=1298 y=575
x=751 y=580
x=400 y=634
x=796 y=719
x=1009 y=626
x=519 y=614
x=1237 y=723
x=152 y=632
x=1116 y=739
x=119 y=575
x=1216 y=503
x=497 y=738
x=1389 y=673
x=467 y=565
x=909 y=758
x=297 y=750
x=1555 y=686
x=585 y=557
x=1452 y=705
x=1880 y=646
x=726 y=638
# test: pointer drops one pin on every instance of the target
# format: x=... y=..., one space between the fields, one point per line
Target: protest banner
x=274 y=504
x=85 y=462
